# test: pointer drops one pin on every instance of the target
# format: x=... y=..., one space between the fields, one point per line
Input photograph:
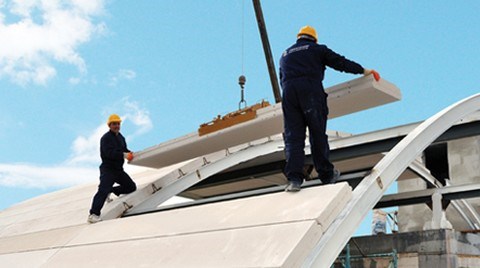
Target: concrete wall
x=434 y=248
x=412 y=218
x=464 y=168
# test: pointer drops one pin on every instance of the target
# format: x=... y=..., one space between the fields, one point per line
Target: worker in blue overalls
x=113 y=150
x=304 y=104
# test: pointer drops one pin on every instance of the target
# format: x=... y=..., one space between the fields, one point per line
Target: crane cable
x=242 y=79
x=243 y=35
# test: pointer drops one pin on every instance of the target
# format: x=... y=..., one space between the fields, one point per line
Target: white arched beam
x=372 y=187
x=205 y=172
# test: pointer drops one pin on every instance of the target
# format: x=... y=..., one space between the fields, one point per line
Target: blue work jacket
x=307 y=59
x=112 y=148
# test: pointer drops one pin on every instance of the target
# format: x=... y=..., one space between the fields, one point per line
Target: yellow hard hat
x=308 y=30
x=114 y=118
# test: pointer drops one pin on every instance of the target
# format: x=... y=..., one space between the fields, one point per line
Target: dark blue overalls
x=304 y=104
x=112 y=148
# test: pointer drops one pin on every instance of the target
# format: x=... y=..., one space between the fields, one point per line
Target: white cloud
x=122 y=74
x=139 y=117
x=30 y=176
x=85 y=150
x=42 y=32
x=82 y=164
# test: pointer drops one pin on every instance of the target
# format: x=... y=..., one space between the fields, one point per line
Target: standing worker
x=113 y=150
x=304 y=104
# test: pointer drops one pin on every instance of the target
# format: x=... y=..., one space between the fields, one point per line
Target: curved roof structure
x=262 y=229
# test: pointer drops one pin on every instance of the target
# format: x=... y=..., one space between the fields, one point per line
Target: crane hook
x=241 y=82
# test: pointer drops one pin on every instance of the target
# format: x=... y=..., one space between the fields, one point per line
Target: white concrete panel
x=319 y=204
x=47 y=208
x=316 y=203
x=346 y=98
x=69 y=218
x=69 y=195
x=32 y=259
x=275 y=230
x=280 y=245
x=39 y=240
x=360 y=94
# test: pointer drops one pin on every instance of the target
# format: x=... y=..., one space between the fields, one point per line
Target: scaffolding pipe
x=268 y=52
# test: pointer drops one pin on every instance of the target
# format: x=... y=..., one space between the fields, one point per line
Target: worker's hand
x=376 y=75
x=128 y=156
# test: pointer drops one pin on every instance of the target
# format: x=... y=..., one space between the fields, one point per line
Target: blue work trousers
x=304 y=104
x=108 y=177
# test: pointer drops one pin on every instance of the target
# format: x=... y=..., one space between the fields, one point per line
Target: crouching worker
x=113 y=150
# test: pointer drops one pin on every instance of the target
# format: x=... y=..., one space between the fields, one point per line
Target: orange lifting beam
x=233 y=118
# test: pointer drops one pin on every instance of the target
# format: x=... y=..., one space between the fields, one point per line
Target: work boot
x=293 y=186
x=92 y=218
x=333 y=179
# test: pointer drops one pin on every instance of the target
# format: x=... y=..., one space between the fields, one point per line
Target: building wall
x=433 y=248
x=464 y=168
x=464 y=160
x=412 y=218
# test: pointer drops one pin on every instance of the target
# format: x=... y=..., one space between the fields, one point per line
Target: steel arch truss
x=372 y=187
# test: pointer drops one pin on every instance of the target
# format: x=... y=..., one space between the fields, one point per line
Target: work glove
x=376 y=75
x=128 y=156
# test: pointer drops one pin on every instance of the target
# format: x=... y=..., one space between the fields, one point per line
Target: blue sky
x=168 y=66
